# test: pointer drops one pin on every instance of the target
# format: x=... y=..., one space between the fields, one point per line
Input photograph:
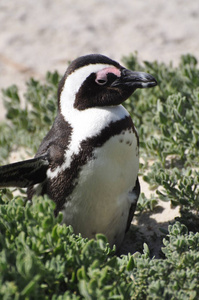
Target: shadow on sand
x=147 y=230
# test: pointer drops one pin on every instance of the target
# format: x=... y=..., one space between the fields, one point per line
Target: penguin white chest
x=102 y=197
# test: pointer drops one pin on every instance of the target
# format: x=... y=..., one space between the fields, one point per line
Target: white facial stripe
x=73 y=83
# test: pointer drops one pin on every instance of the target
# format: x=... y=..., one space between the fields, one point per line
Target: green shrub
x=42 y=259
x=167 y=121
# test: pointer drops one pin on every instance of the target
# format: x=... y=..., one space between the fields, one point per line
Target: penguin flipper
x=136 y=193
x=24 y=173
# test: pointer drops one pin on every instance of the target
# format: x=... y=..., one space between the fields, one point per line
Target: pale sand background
x=37 y=36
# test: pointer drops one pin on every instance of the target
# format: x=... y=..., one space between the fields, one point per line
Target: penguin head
x=97 y=81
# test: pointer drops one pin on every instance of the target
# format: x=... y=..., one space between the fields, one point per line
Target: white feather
x=101 y=201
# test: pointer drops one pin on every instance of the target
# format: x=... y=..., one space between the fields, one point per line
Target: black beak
x=134 y=80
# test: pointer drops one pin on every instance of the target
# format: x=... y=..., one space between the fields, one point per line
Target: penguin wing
x=24 y=173
x=136 y=193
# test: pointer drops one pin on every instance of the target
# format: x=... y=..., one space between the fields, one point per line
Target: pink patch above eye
x=102 y=74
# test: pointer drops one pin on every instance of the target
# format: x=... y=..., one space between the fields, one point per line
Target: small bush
x=40 y=258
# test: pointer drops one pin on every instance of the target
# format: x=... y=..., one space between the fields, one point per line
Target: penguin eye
x=101 y=81
x=107 y=75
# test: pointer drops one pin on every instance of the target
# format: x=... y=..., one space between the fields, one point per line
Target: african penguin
x=88 y=162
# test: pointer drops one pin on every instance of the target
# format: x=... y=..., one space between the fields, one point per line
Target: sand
x=45 y=35
x=39 y=36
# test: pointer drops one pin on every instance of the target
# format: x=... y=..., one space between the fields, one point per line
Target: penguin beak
x=134 y=80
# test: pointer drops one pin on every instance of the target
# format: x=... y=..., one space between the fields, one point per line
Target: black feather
x=24 y=173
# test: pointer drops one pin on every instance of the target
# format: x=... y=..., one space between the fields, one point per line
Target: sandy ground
x=39 y=36
x=45 y=35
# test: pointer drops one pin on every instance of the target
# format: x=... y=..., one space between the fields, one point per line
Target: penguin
x=89 y=160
